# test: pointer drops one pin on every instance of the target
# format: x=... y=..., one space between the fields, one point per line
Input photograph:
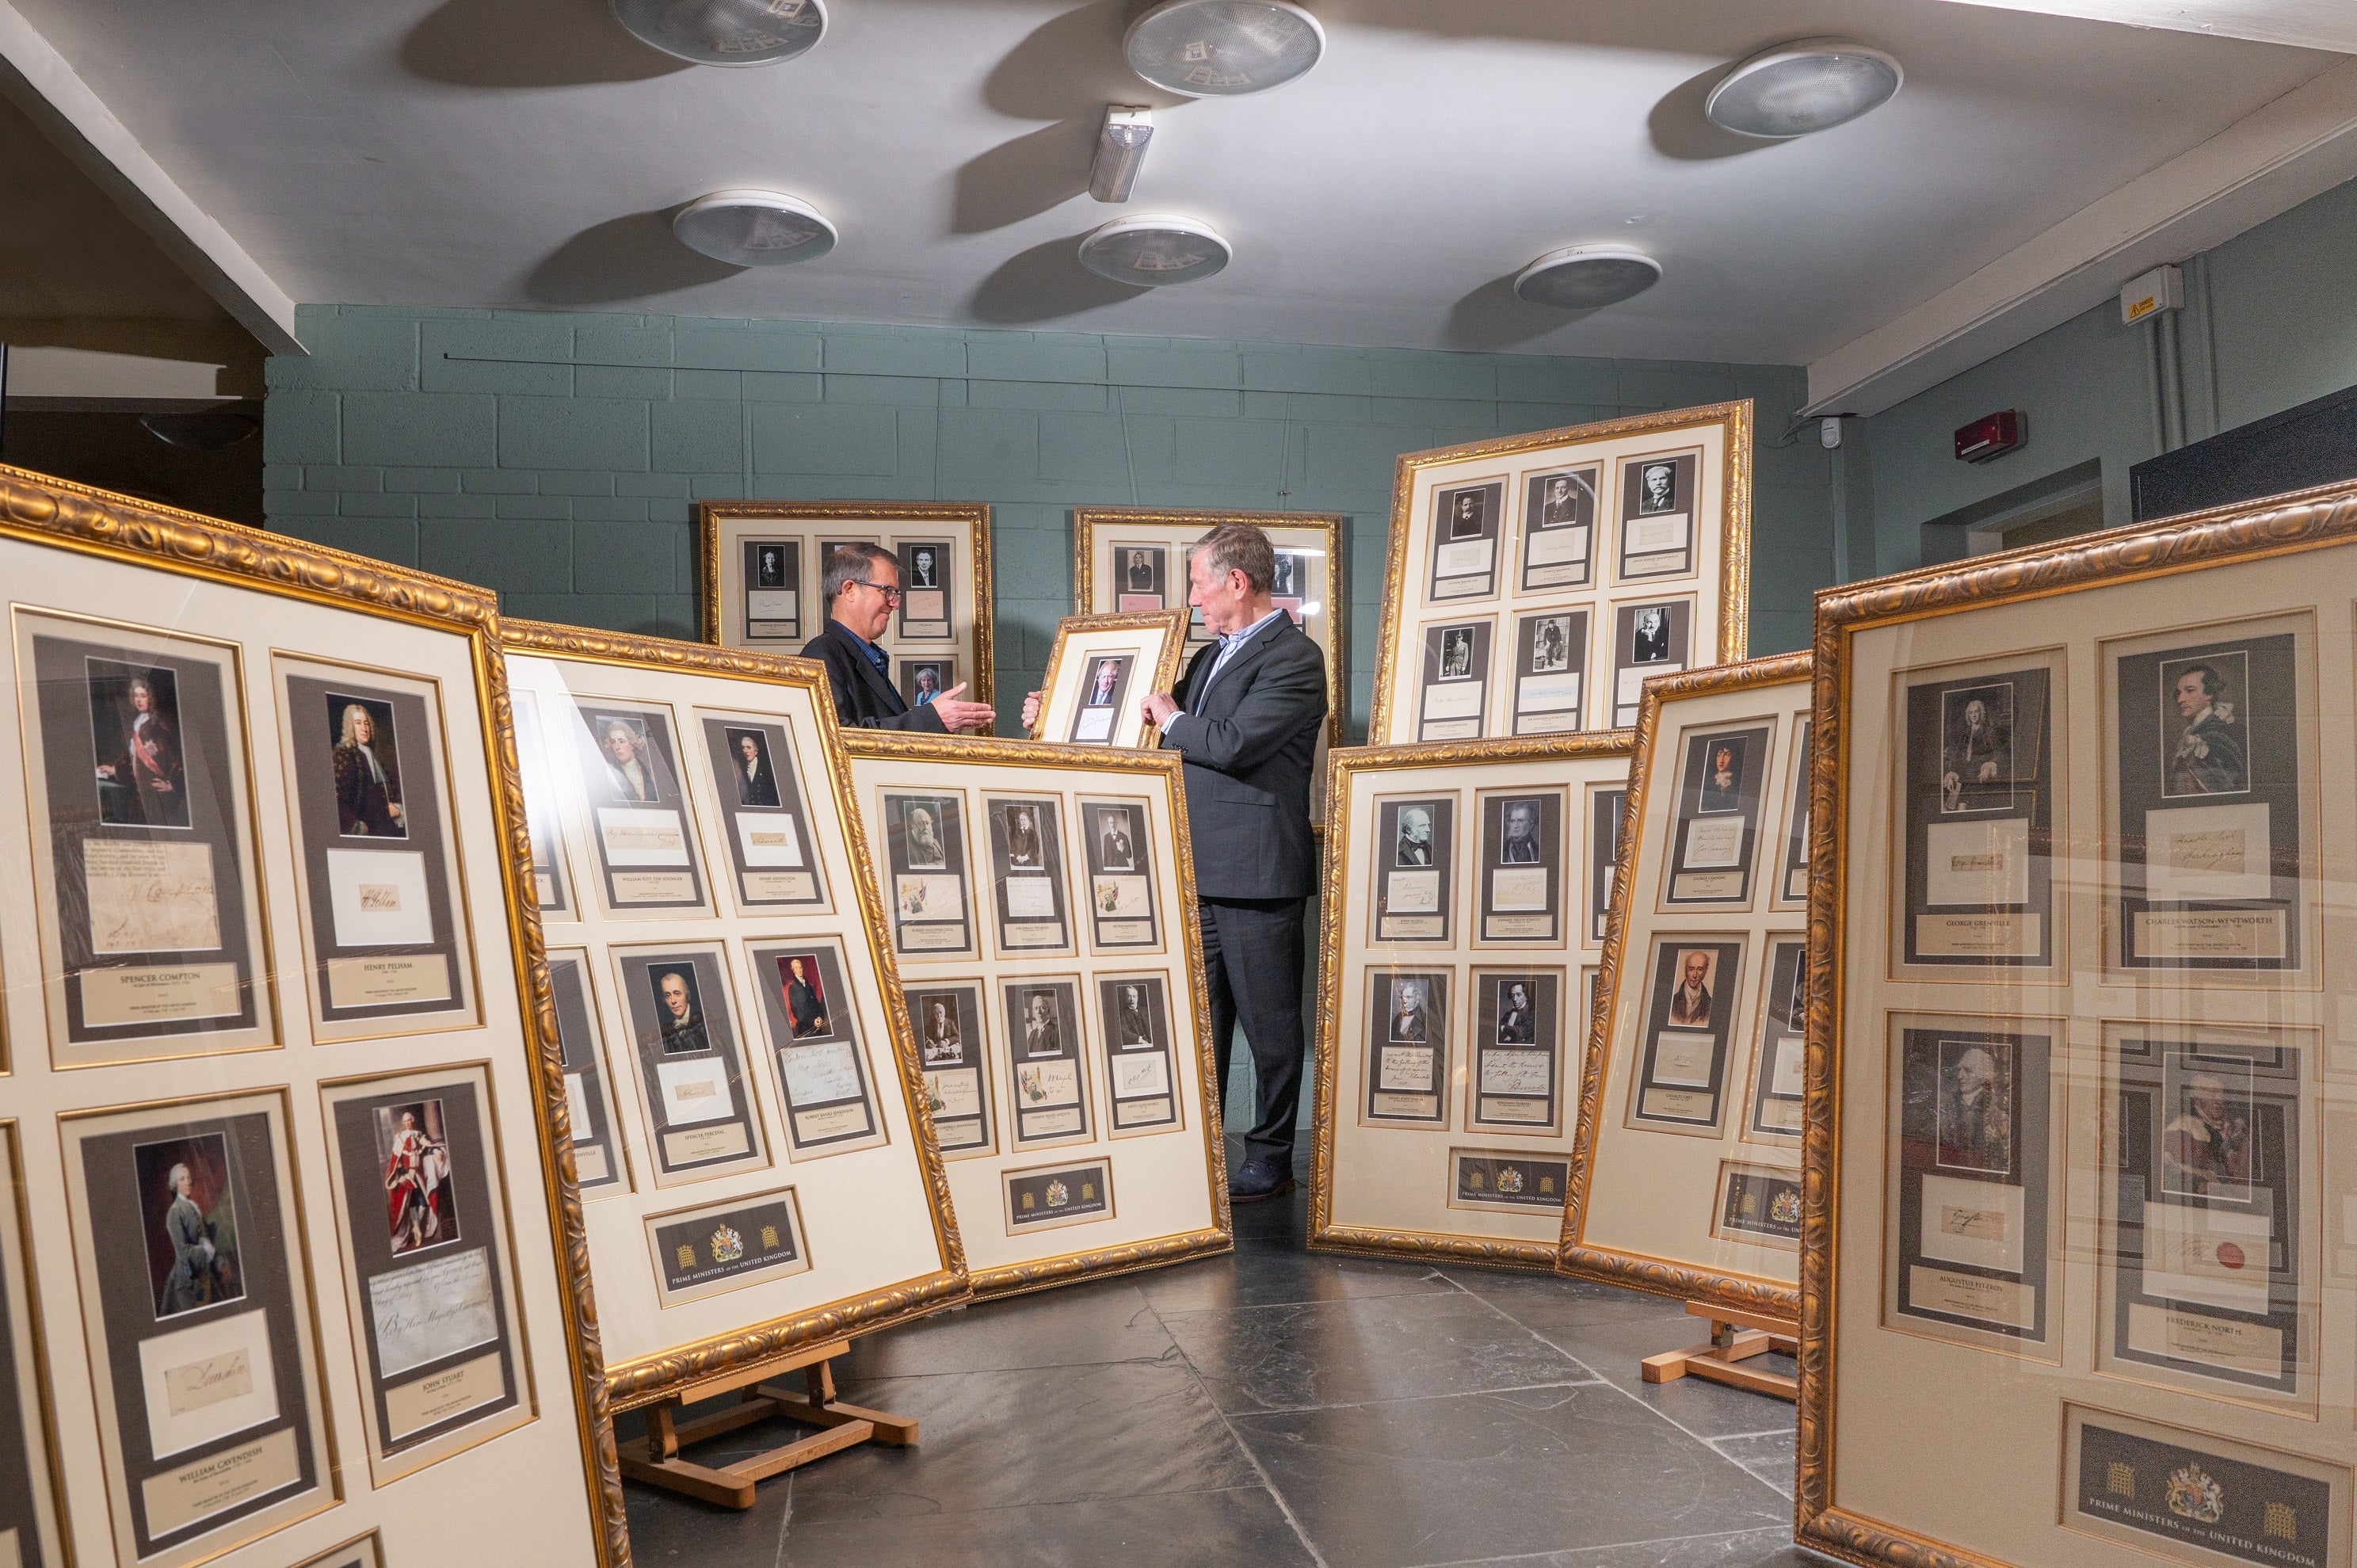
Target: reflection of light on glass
x=1311 y=608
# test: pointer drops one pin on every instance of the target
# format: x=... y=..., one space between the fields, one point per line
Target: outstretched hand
x=957 y=715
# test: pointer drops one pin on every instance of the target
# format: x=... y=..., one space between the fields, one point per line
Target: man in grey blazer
x=1246 y=717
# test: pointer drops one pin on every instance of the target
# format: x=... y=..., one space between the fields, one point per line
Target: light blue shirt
x=1229 y=646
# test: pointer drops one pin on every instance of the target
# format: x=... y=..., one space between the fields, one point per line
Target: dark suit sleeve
x=922 y=720
x=1287 y=694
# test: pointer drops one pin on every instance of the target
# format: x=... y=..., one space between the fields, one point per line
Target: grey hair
x=1241 y=547
x=172 y=1178
x=851 y=564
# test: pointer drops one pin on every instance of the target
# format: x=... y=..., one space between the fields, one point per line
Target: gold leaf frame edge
x=975 y=515
x=1016 y=1279
x=645 y=1380
x=1735 y=540
x=1173 y=626
x=1414 y=1245
x=2301 y=521
x=1639 y=1271
x=96 y=523
x=1334 y=525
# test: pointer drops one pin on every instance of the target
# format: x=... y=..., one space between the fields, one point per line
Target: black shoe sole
x=1279 y=1191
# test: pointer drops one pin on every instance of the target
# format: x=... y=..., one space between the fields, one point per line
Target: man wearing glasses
x=862 y=588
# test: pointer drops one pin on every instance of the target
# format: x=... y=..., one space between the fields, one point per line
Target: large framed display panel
x=1687 y=1177
x=1100 y=672
x=1043 y=925
x=1535 y=582
x=771 y=1179
x=1454 y=983
x=292 y=1255
x=1129 y=559
x=2081 y=1098
x=760 y=566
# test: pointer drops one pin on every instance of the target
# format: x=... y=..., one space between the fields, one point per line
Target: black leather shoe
x=1257 y=1181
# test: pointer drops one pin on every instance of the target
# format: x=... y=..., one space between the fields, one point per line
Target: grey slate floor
x=1276 y=1408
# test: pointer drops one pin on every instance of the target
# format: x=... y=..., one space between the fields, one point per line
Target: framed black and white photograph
x=1141 y=576
x=1047 y=1063
x=1518 y=898
x=1406 y=1053
x=1514 y=1079
x=1465 y=531
x=1456 y=691
x=1026 y=873
x=757 y=778
x=1415 y=869
x=772 y=603
x=1550 y=671
x=1979 y=802
x=812 y=1021
x=924 y=836
x=598 y=1157
x=1681 y=1078
x=1141 y=1076
x=1559 y=529
x=1605 y=805
x=1647 y=639
x=1792 y=887
x=1657 y=515
x=947 y=1019
x=1120 y=856
x=1714 y=841
x=640 y=831
x=1780 y=1051
x=697 y=1095
x=927 y=567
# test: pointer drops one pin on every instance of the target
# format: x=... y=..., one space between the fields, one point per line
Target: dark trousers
x=1252 y=957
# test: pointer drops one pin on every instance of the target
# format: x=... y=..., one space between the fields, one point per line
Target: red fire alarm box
x=1990 y=435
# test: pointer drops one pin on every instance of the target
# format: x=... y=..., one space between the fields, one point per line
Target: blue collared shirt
x=1229 y=646
x=876 y=656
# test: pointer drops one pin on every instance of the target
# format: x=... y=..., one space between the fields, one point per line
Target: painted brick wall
x=556 y=456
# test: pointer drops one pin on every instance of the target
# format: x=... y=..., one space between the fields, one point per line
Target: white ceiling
x=526 y=153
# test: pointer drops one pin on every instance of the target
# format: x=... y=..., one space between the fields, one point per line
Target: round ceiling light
x=754 y=228
x=1154 y=249
x=1796 y=88
x=726 y=32
x=1588 y=278
x=1223 y=49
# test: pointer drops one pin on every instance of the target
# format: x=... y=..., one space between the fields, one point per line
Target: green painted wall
x=556 y=456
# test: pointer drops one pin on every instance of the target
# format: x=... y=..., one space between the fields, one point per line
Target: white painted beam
x=38 y=79
x=2301 y=145
x=2304 y=24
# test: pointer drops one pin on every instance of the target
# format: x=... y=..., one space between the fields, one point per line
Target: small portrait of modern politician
x=862 y=588
x=1245 y=719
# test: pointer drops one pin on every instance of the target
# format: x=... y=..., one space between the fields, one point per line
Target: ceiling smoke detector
x=726 y=32
x=1588 y=278
x=754 y=228
x=1155 y=250
x=1223 y=49
x=1812 y=84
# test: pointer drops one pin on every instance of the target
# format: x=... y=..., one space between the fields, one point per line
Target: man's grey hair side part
x=1241 y=547
x=852 y=563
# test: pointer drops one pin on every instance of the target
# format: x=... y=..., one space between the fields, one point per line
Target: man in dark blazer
x=1246 y=718
x=862 y=587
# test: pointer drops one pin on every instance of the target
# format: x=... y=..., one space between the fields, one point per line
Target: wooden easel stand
x=655 y=1459
x=1735 y=1338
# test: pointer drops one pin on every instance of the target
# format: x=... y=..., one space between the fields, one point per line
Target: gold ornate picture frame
x=516 y=1392
x=1534 y=582
x=760 y=566
x=1041 y=909
x=1100 y=672
x=1454 y=977
x=1687 y=1177
x=772 y=1179
x=2071 y=1191
x=1132 y=559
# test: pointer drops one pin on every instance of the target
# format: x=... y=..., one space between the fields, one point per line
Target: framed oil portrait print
x=1451 y=997
x=747 y=1070
x=1535 y=582
x=1133 y=560
x=270 y=838
x=1100 y=672
x=1064 y=1057
x=762 y=570
x=2077 y=1163
x=1685 y=1177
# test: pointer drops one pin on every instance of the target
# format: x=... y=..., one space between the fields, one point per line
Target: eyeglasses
x=891 y=596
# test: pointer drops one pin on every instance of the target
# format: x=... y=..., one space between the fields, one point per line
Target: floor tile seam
x=1016 y=1508
x=785 y=1524
x=1588 y=1382
x=1307 y=1301
x=1601 y=1546
x=1739 y=1436
x=863 y=1380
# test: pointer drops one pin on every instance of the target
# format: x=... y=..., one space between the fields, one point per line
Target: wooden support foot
x=655 y=1459
x=1735 y=1338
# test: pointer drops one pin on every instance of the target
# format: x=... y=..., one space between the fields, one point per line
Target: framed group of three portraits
x=754 y=1170
x=2081 y=1106
x=285 y=1230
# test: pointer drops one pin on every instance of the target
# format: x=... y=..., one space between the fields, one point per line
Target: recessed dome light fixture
x=726 y=32
x=754 y=228
x=1153 y=250
x=1223 y=49
x=1812 y=84
x=1588 y=278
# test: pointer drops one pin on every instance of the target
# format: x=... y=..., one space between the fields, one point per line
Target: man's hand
x=957 y=715
x=1159 y=707
x=1031 y=711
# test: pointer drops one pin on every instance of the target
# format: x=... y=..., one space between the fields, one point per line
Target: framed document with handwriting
x=287 y=1237
x=1686 y=1180
x=1067 y=1059
x=761 y=566
x=1453 y=983
x=1102 y=670
x=1534 y=583
x=2080 y=1116
x=768 y=1175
